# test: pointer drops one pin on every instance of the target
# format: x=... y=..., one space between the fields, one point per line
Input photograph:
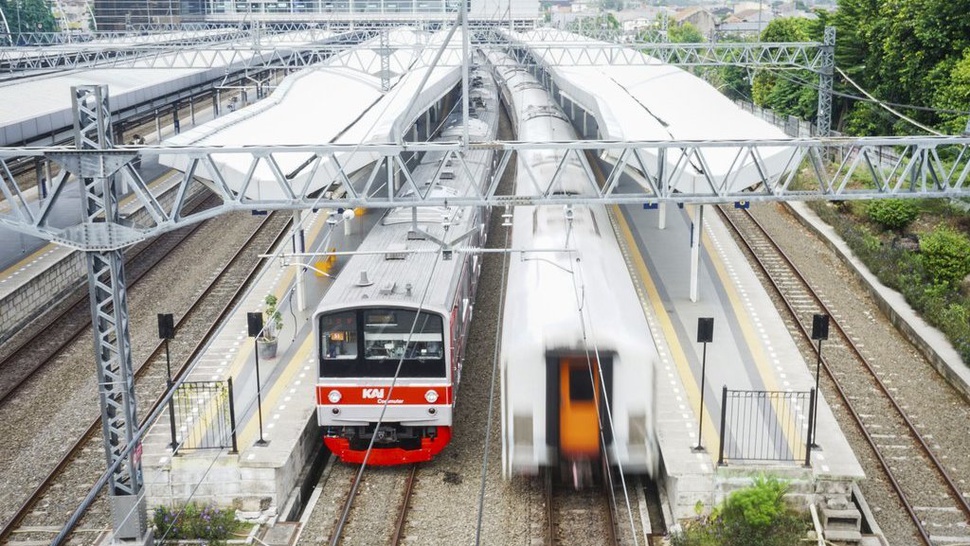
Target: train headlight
x=333 y=396
x=431 y=396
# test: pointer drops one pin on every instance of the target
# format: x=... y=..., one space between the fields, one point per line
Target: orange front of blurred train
x=579 y=436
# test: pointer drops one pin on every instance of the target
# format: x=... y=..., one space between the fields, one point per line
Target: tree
x=685 y=33
x=905 y=52
x=787 y=92
x=26 y=15
x=953 y=97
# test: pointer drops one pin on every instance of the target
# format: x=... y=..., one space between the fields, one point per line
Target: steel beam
x=109 y=311
x=824 y=119
x=674 y=171
x=319 y=45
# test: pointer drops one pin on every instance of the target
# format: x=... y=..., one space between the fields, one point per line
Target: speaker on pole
x=255 y=322
x=820 y=326
x=166 y=326
x=705 y=329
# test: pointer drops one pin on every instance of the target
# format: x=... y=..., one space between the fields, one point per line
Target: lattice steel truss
x=237 y=48
x=825 y=73
x=109 y=307
x=900 y=167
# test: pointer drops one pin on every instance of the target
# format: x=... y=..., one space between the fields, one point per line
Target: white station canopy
x=654 y=101
x=339 y=102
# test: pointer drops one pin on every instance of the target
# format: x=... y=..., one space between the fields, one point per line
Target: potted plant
x=272 y=322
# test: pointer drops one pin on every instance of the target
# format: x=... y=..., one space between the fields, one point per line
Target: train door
x=579 y=431
x=576 y=413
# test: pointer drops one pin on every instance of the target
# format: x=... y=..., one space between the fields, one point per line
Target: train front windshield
x=372 y=342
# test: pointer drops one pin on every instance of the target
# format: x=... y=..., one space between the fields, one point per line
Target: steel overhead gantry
x=559 y=48
x=643 y=172
x=805 y=55
x=109 y=306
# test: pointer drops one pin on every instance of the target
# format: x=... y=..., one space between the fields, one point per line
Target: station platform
x=259 y=475
x=751 y=350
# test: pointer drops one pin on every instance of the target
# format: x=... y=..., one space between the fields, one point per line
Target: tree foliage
x=28 y=16
x=906 y=52
x=787 y=92
x=684 y=33
x=893 y=214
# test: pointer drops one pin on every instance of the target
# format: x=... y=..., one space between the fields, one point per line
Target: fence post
x=810 y=437
x=232 y=416
x=720 y=447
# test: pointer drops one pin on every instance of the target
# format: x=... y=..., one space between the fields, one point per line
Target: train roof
x=393 y=263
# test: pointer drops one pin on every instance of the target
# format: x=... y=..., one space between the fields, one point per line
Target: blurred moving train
x=577 y=358
x=390 y=332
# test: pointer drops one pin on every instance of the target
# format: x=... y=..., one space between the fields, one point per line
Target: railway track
x=49 y=506
x=939 y=510
x=585 y=516
x=373 y=496
x=72 y=318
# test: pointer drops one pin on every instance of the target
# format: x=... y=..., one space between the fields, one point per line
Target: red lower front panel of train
x=394 y=444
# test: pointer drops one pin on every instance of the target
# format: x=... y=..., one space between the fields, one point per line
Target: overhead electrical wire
x=869 y=98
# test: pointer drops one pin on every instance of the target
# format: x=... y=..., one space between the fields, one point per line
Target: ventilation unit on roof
x=387 y=288
x=416 y=235
x=447 y=175
x=396 y=252
x=363 y=280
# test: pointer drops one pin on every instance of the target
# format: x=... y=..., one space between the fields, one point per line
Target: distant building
x=123 y=14
x=746 y=22
x=702 y=19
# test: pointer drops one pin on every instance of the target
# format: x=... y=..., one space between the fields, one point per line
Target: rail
x=733 y=218
x=157 y=355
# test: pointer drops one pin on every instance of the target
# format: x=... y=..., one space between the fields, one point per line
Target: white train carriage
x=390 y=332
x=577 y=357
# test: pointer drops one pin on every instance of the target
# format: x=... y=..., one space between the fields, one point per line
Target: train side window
x=580 y=385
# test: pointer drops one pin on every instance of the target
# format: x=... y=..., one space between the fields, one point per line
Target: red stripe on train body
x=373 y=395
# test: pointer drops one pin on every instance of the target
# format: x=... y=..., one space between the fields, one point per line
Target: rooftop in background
x=124 y=14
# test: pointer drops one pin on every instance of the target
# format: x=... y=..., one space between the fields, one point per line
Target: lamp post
x=166 y=331
x=820 y=331
x=255 y=323
x=705 y=334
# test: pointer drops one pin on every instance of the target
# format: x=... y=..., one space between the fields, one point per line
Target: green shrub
x=894 y=214
x=946 y=256
x=754 y=515
x=194 y=522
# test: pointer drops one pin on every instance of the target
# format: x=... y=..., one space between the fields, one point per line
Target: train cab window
x=389 y=334
x=580 y=385
x=382 y=342
x=338 y=336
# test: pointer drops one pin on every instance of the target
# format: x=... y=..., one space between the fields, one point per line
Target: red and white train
x=390 y=332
